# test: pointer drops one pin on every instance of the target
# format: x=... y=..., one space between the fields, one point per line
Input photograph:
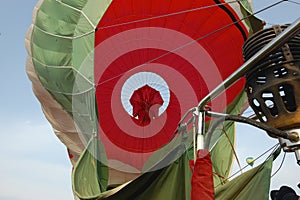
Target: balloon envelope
x=126 y=71
x=250 y=161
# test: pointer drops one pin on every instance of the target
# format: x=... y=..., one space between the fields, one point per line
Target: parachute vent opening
x=145 y=102
x=145 y=91
x=273 y=85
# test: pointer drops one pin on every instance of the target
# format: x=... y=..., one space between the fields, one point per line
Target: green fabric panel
x=253 y=22
x=57 y=18
x=222 y=154
x=62 y=80
x=83 y=56
x=182 y=141
x=90 y=175
x=236 y=105
x=64 y=100
x=53 y=25
x=233 y=108
x=83 y=28
x=83 y=46
x=156 y=184
x=253 y=184
x=43 y=56
x=66 y=85
x=171 y=182
x=245 y=5
x=96 y=14
x=78 y=4
x=50 y=44
x=84 y=114
x=56 y=77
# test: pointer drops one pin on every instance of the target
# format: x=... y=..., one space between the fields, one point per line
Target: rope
x=280 y=165
x=293 y=2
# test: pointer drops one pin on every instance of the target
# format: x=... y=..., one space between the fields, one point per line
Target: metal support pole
x=279 y=133
x=194 y=137
x=201 y=128
x=276 y=43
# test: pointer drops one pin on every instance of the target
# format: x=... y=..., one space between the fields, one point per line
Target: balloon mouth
x=146 y=102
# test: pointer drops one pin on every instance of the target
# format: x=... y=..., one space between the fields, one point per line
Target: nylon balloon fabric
x=117 y=76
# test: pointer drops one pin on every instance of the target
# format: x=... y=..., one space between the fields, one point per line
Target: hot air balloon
x=250 y=161
x=114 y=78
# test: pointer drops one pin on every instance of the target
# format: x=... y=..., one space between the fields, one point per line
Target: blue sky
x=33 y=162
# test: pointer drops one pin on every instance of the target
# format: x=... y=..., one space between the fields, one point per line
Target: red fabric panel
x=202 y=179
x=123 y=48
x=104 y=95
